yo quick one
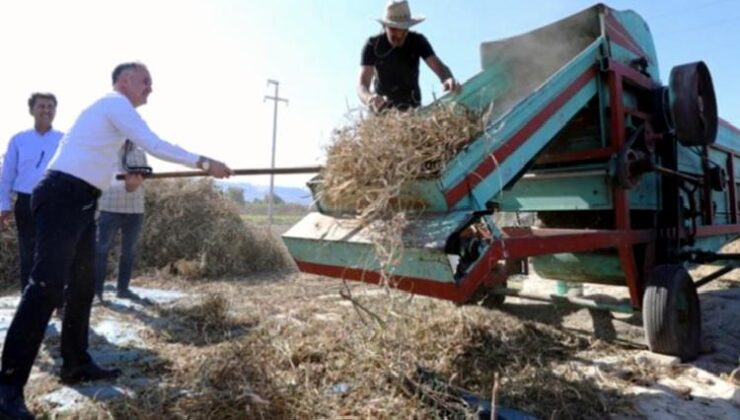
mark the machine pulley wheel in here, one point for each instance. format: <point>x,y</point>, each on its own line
<point>693,104</point>
<point>671,313</point>
<point>626,176</point>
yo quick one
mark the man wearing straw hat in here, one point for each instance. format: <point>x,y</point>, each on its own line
<point>391,61</point>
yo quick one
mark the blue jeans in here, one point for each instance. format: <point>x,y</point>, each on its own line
<point>108,225</point>
<point>64,216</point>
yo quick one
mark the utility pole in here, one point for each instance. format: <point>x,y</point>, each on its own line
<point>275,99</point>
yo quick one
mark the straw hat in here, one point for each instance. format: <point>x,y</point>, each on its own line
<point>398,15</point>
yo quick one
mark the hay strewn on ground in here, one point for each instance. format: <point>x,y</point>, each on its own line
<point>192,227</point>
<point>307,353</point>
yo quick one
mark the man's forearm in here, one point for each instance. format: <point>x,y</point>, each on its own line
<point>444,72</point>
<point>364,93</point>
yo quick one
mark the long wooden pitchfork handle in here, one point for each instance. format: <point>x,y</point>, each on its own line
<point>260,171</point>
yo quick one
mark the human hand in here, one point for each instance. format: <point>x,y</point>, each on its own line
<point>377,103</point>
<point>4,218</point>
<point>132,181</point>
<point>451,85</point>
<point>218,169</point>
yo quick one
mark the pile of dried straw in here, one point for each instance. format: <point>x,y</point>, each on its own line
<point>192,227</point>
<point>9,268</point>
<point>370,160</point>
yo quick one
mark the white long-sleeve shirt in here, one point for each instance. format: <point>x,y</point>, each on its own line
<point>25,162</point>
<point>89,150</point>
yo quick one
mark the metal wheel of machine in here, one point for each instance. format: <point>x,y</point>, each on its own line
<point>626,177</point>
<point>671,313</point>
<point>693,105</point>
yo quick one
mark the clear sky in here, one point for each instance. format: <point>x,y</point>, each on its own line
<point>211,59</point>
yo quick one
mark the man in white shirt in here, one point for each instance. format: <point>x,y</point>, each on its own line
<point>64,205</point>
<point>24,164</point>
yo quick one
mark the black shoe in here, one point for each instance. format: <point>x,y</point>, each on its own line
<point>87,372</point>
<point>12,404</point>
<point>128,294</point>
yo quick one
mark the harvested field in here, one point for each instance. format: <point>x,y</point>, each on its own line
<point>301,346</point>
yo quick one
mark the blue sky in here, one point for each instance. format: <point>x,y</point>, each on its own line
<point>211,59</point>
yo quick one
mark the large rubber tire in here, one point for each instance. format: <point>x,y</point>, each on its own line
<point>671,313</point>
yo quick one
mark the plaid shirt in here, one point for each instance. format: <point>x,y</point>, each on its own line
<point>116,199</point>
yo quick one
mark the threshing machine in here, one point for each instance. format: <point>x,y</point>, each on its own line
<point>631,180</point>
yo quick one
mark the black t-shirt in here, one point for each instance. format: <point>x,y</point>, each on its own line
<point>397,69</point>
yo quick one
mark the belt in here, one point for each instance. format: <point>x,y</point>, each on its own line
<point>74,180</point>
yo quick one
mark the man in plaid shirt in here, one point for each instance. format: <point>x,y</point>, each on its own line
<point>121,208</point>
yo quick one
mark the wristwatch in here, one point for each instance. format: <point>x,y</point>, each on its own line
<point>204,163</point>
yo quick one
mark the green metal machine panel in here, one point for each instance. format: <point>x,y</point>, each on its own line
<point>577,193</point>
<point>338,242</point>
<point>573,192</point>
<point>646,194</point>
<point>601,268</point>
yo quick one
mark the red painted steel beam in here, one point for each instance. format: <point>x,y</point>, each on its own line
<point>488,165</point>
<point>527,242</point>
<point>577,156</point>
<point>714,230</point>
<point>707,208</point>
<point>732,188</point>
<point>617,33</point>
<point>630,75</point>
<point>447,291</point>
<point>620,198</point>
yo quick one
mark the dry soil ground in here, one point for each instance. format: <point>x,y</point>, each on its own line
<point>143,339</point>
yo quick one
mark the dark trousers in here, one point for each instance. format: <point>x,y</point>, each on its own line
<point>109,224</point>
<point>64,214</point>
<point>26,235</point>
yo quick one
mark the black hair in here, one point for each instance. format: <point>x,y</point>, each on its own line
<point>121,68</point>
<point>36,96</point>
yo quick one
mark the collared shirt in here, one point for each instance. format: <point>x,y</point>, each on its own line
<point>89,150</point>
<point>116,199</point>
<point>25,162</point>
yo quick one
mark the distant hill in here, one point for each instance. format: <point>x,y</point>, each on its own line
<point>296,195</point>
